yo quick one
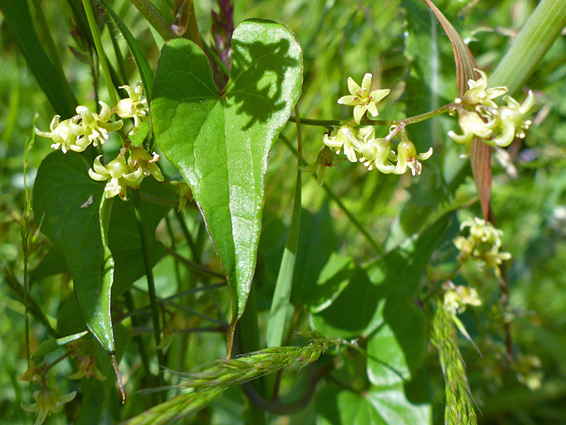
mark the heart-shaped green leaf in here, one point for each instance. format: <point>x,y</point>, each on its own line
<point>221,141</point>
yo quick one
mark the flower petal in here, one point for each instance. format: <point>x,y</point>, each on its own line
<point>366,83</point>
<point>353,88</point>
<point>349,100</point>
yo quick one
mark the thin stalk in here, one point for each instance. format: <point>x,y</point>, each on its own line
<point>112,29</point>
<point>336,199</point>
<point>404,122</point>
<point>155,19</point>
<point>27,240</point>
<point>186,233</point>
<point>139,342</point>
<point>212,55</point>
<point>32,305</point>
<point>280,303</point>
<point>100,52</point>
<point>174,248</point>
<point>150,281</point>
<point>194,34</point>
<point>194,266</point>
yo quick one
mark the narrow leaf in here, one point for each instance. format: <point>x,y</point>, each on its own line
<point>50,345</point>
<point>480,155</point>
<point>51,79</point>
<point>221,142</point>
<point>146,73</point>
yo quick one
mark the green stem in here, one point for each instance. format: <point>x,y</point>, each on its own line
<point>174,248</point>
<point>100,52</point>
<point>112,29</point>
<point>405,122</point>
<point>280,304</point>
<point>141,347</point>
<point>343,207</point>
<point>188,238</point>
<point>155,19</point>
<point>194,266</point>
<point>150,281</point>
<point>33,307</point>
<point>212,55</point>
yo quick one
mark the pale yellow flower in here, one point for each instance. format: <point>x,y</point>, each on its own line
<point>47,402</point>
<point>118,174</point>
<point>133,106</point>
<point>96,126</point>
<point>64,134</point>
<point>139,157</point>
<point>362,99</point>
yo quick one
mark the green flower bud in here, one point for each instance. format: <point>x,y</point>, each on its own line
<point>408,158</point>
<point>324,159</point>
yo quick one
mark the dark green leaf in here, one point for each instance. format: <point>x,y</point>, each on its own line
<point>49,75</point>
<point>378,406</point>
<point>62,189</point>
<point>221,142</point>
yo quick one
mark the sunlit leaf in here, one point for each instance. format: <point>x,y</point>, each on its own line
<point>221,141</point>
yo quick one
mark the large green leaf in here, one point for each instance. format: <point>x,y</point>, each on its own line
<point>221,141</point>
<point>62,189</point>
<point>62,195</point>
<point>383,292</point>
<point>378,406</point>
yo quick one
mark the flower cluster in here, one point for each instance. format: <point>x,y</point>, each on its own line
<point>85,128</point>
<point>479,116</point>
<point>483,243</point>
<point>122,173</point>
<point>362,145</point>
<point>457,297</point>
<point>78,132</point>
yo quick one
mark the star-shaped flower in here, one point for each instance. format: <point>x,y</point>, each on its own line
<point>118,173</point>
<point>96,126</point>
<point>362,99</point>
<point>133,106</point>
<point>344,137</point>
<point>472,126</point>
<point>409,158</point>
<point>139,157</point>
<point>47,402</point>
<point>64,134</point>
<point>479,94</point>
<point>511,120</point>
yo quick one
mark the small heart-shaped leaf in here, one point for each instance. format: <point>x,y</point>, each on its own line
<point>220,142</point>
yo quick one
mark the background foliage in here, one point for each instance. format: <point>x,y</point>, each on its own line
<point>346,284</point>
